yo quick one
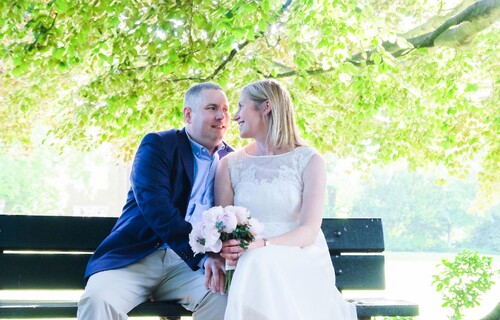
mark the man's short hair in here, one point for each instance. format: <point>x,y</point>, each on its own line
<point>192,96</point>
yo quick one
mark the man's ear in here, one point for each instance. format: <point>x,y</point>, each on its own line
<point>267,107</point>
<point>187,114</point>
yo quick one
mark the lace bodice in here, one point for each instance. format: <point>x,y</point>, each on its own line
<point>270,186</point>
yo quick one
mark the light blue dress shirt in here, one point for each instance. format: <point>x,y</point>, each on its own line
<point>202,193</point>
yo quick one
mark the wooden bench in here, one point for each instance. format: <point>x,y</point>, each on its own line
<point>51,252</point>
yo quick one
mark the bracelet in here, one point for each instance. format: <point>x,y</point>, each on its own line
<point>266,242</point>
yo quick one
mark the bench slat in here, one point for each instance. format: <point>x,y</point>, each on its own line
<point>67,309</point>
<point>371,307</point>
<point>353,234</point>
<point>18,232</point>
<point>359,272</point>
<point>37,309</point>
<point>43,271</point>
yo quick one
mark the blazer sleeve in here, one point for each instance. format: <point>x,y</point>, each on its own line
<point>150,181</point>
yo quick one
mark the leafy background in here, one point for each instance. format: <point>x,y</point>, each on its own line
<point>372,81</point>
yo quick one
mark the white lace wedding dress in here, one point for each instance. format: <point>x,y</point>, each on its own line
<point>280,282</point>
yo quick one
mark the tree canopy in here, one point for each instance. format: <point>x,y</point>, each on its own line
<point>372,80</point>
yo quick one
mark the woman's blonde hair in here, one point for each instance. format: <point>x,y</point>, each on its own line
<point>282,133</point>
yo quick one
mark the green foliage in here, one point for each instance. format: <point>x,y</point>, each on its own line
<point>26,183</point>
<point>419,214</point>
<point>485,235</point>
<point>242,233</point>
<point>463,280</point>
<point>41,181</point>
<point>109,71</point>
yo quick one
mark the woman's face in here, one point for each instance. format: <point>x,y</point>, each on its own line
<point>250,119</point>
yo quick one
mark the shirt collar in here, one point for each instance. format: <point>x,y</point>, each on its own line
<point>198,149</point>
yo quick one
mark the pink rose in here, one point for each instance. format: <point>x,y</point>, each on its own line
<point>242,214</point>
<point>228,220</point>
<point>211,235</point>
<point>255,227</point>
<point>215,247</point>
<point>196,241</point>
<point>210,215</point>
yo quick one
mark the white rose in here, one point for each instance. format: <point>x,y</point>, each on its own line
<point>210,233</point>
<point>210,215</point>
<point>228,220</point>
<point>255,227</point>
<point>242,214</point>
<point>195,240</point>
<point>216,246</point>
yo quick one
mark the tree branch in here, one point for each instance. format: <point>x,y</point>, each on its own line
<point>481,14</point>
<point>228,59</point>
<point>480,10</point>
<point>233,53</point>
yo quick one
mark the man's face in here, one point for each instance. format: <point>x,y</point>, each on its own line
<point>208,121</point>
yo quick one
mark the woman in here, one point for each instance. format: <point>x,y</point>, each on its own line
<point>286,274</point>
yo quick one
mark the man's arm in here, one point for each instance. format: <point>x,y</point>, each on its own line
<point>151,183</point>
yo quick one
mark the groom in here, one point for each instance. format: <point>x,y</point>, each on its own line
<point>147,254</point>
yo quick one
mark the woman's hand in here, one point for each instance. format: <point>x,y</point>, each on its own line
<point>232,251</point>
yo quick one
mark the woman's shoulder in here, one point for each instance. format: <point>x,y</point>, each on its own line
<point>304,154</point>
<point>236,154</point>
<point>306,151</point>
<point>244,151</point>
<point>234,159</point>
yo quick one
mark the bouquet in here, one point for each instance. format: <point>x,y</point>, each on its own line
<point>221,224</point>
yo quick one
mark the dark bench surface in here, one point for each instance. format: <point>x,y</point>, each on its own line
<point>51,252</point>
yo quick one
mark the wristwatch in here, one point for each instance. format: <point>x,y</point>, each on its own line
<point>266,242</point>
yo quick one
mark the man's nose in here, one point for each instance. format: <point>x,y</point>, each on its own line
<point>220,114</point>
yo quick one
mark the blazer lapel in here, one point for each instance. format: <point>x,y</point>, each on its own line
<point>225,151</point>
<point>186,154</point>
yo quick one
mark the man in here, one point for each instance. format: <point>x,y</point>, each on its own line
<point>147,253</point>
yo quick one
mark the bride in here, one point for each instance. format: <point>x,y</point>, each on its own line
<point>286,274</point>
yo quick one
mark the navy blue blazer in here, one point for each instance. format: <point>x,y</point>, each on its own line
<point>161,182</point>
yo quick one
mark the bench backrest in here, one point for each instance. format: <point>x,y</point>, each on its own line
<point>51,252</point>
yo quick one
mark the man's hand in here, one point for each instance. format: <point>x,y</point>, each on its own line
<point>215,273</point>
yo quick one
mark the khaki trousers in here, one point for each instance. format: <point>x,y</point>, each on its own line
<point>162,275</point>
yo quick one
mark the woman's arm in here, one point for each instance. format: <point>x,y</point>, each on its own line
<point>224,196</point>
<point>223,190</point>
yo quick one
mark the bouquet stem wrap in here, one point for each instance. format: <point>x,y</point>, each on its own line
<point>229,277</point>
